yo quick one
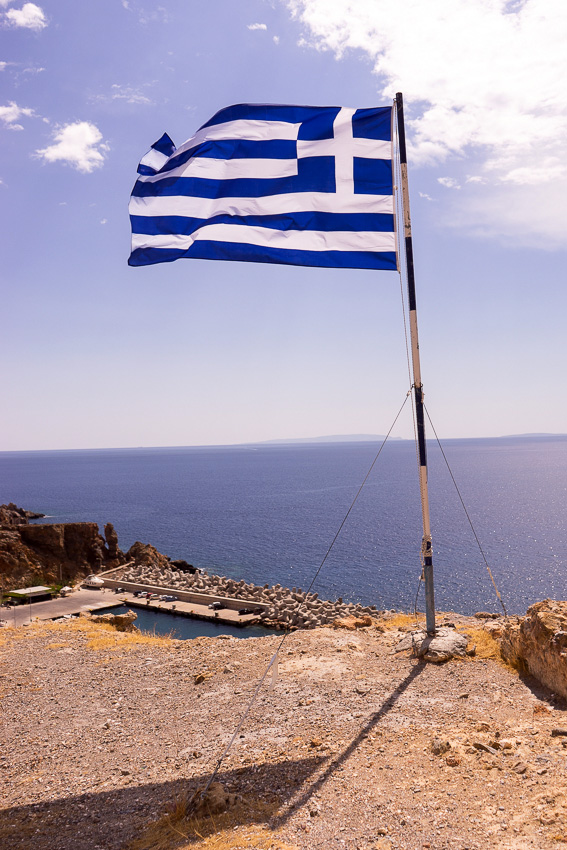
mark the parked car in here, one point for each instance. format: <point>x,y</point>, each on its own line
<point>216,606</point>
<point>244,611</point>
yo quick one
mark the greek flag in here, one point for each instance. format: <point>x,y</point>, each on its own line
<point>302,185</point>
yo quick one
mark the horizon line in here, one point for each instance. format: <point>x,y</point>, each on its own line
<point>281,441</point>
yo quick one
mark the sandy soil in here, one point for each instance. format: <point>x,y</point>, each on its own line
<point>354,747</point>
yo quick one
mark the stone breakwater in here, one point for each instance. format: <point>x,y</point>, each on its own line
<point>287,609</point>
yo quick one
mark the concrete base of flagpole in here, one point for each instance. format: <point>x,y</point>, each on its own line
<point>444,645</point>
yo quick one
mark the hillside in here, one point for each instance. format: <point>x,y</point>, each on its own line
<point>354,747</point>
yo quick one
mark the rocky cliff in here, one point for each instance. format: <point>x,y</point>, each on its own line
<point>48,554</point>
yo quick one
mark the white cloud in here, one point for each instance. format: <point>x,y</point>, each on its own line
<point>257,27</point>
<point>29,16</point>
<point>78,144</point>
<point>10,115</point>
<point>104,221</point>
<point>425,196</point>
<point>127,93</point>
<point>276,39</point>
<point>449,182</point>
<point>483,80</point>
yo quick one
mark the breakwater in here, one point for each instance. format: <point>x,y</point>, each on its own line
<point>277,606</point>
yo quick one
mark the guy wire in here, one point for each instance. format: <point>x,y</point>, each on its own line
<point>467,515</point>
<point>286,635</point>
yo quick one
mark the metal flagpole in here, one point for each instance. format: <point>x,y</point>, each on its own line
<point>426,548</point>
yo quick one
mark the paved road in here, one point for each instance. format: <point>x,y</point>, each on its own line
<point>76,602</point>
<point>85,598</point>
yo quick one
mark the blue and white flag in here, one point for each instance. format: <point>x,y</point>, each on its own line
<point>307,186</point>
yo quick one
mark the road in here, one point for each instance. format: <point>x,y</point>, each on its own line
<point>88,599</point>
<point>76,602</point>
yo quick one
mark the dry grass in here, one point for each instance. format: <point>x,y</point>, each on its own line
<point>486,646</point>
<point>111,639</point>
<point>100,636</point>
<point>239,828</point>
<point>402,622</point>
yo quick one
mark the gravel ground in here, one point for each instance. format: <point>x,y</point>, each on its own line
<point>354,747</point>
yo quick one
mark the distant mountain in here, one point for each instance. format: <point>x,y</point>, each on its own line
<point>529,436</point>
<point>333,438</point>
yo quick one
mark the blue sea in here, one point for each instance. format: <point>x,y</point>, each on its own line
<point>268,513</point>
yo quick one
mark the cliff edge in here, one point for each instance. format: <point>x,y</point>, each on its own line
<point>52,553</point>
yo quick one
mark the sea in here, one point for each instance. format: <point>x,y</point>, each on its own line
<point>271,513</point>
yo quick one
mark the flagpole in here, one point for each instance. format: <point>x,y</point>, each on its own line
<point>426,547</point>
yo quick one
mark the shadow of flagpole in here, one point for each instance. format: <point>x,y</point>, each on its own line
<point>343,757</point>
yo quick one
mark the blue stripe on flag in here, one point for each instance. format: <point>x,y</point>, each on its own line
<point>322,116</point>
<point>315,174</point>
<point>385,260</point>
<point>353,222</point>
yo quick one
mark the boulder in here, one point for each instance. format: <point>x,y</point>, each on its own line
<point>352,623</point>
<point>111,538</point>
<point>147,555</point>
<point>120,622</point>
<point>438,648</point>
<point>537,643</point>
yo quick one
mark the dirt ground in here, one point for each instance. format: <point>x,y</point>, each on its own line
<point>105,735</point>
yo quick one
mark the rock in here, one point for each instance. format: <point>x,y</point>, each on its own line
<point>439,746</point>
<point>537,643</point>
<point>51,553</point>
<point>184,566</point>
<point>120,622</point>
<point>111,538</point>
<point>146,555</point>
<point>352,623</point>
<point>441,647</point>
<point>556,733</point>
<point>201,677</point>
<point>215,801</point>
<point>11,514</point>
<point>479,745</point>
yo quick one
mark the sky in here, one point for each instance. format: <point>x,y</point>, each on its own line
<point>97,354</point>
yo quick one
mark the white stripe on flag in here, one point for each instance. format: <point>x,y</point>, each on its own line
<point>300,240</point>
<point>193,207</point>
<point>228,169</point>
<point>254,131</point>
